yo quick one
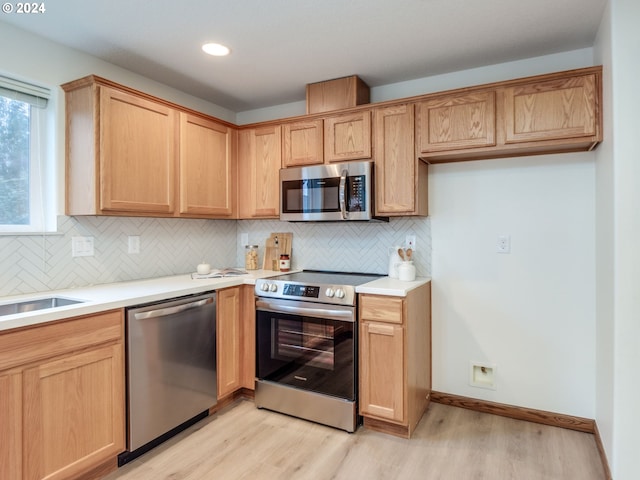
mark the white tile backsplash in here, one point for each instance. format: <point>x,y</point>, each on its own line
<point>37,263</point>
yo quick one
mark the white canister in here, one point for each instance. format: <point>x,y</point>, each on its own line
<point>406,271</point>
<point>203,268</point>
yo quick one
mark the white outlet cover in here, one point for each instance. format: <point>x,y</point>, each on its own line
<point>482,375</point>
<point>82,247</point>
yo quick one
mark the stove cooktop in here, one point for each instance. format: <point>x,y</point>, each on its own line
<point>336,288</point>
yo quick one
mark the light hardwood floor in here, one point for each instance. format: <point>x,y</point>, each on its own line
<point>243,442</point>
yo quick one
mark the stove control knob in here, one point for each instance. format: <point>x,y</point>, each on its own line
<point>339,293</point>
<point>273,287</point>
<point>329,292</point>
<point>264,287</point>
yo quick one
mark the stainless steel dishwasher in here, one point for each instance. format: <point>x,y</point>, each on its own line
<point>171,369</point>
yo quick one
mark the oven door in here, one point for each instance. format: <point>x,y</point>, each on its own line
<point>307,345</point>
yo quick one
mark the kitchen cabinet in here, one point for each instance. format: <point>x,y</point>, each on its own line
<point>260,158</point>
<point>554,109</point>
<point>302,143</point>
<point>395,360</point>
<point>207,167</point>
<point>457,122</point>
<point>228,340</point>
<point>131,154</point>
<point>552,113</point>
<point>248,330</point>
<point>401,178</point>
<point>62,398</point>
<point>347,136</point>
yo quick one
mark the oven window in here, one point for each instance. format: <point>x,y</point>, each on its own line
<point>305,352</point>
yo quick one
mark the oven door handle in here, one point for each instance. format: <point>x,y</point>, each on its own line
<point>329,314</point>
<point>343,193</point>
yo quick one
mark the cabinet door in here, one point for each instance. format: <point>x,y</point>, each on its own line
<point>457,122</point>
<point>260,158</point>
<point>382,373</point>
<point>228,340</point>
<point>302,143</point>
<point>73,413</point>
<point>207,167</point>
<point>137,154</point>
<point>11,425</point>
<point>398,180</point>
<point>248,312</point>
<point>347,137</point>
<point>549,110</point>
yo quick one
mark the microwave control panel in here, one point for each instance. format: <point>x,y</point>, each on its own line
<point>357,194</point>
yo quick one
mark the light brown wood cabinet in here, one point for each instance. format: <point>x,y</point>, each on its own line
<point>395,360</point>
<point>228,340</point>
<point>457,122</point>
<point>347,136</point>
<point>553,113</point>
<point>302,143</point>
<point>401,178</point>
<point>248,330</point>
<point>62,404</point>
<point>260,158</point>
<point>128,153</point>
<point>208,167</point>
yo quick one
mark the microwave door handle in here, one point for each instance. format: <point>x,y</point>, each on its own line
<point>342,193</point>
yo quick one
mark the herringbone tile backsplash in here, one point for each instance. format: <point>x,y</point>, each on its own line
<point>37,263</point>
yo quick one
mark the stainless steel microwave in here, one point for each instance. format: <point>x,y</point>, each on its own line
<point>328,193</point>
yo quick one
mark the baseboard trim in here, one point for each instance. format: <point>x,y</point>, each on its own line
<point>603,454</point>
<point>519,413</point>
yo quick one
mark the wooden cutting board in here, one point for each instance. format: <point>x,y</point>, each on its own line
<point>277,244</point>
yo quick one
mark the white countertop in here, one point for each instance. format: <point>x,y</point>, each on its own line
<point>99,298</point>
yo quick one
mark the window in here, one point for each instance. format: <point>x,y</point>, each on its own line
<point>23,118</point>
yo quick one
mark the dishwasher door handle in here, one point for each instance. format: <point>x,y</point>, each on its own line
<point>163,312</point>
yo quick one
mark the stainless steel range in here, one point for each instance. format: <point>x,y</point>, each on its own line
<point>306,346</point>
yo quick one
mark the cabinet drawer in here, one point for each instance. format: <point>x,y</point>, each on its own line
<point>381,308</point>
<point>41,342</point>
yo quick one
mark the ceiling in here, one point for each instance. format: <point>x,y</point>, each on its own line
<point>278,46</point>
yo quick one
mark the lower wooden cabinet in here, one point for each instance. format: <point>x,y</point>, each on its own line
<point>395,360</point>
<point>228,340</point>
<point>62,403</point>
<point>248,329</point>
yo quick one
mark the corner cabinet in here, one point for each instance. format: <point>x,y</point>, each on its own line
<point>401,178</point>
<point>395,360</point>
<point>259,161</point>
<point>62,403</point>
<point>128,153</point>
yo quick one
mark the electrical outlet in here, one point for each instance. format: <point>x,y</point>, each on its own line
<point>134,244</point>
<point>82,246</point>
<point>410,242</point>
<point>482,375</point>
<point>503,245</point>
<point>244,239</point>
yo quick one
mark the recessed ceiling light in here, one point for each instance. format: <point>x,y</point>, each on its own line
<point>215,49</point>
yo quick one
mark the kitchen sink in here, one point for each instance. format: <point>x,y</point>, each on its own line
<point>38,304</point>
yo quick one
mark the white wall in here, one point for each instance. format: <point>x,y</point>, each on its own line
<point>530,312</point>
<point>625,45</point>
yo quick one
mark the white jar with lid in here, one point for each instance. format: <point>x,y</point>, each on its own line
<point>407,271</point>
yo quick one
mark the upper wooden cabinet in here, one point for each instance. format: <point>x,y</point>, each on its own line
<point>457,122</point>
<point>207,167</point>
<point>259,160</point>
<point>302,143</point>
<point>128,153</point>
<point>401,178</point>
<point>563,108</point>
<point>553,113</point>
<point>347,136</point>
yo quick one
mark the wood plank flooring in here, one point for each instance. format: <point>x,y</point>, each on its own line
<point>243,442</point>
